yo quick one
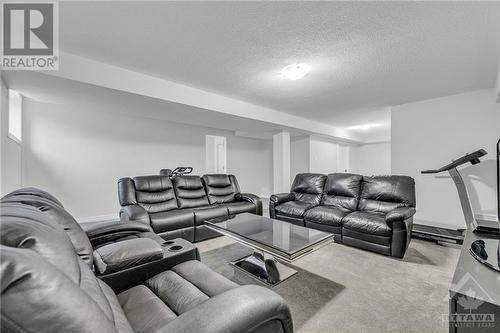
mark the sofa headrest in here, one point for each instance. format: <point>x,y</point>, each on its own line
<point>396,189</point>
<point>221,188</point>
<point>34,192</point>
<point>57,214</point>
<point>218,180</point>
<point>343,184</point>
<point>309,183</point>
<point>154,193</point>
<point>27,227</point>
<point>187,182</point>
<point>190,191</point>
<point>153,183</point>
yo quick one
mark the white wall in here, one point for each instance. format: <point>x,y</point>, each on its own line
<point>371,159</point>
<point>429,134</point>
<point>10,155</point>
<point>251,161</point>
<point>78,153</point>
<point>323,155</point>
<point>498,85</point>
<point>317,154</point>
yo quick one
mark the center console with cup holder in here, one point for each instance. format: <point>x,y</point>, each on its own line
<point>140,259</point>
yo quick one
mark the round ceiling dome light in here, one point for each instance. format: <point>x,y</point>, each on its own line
<point>295,71</point>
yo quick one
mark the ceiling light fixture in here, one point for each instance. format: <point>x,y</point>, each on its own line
<point>295,71</point>
<point>364,127</point>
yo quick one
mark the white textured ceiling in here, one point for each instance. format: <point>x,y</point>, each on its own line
<point>364,55</point>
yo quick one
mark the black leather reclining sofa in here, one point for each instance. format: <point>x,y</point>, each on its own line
<point>179,206</point>
<point>373,213</point>
<point>123,280</point>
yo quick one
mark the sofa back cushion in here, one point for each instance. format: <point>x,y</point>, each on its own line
<point>25,226</point>
<point>342,190</point>
<point>385,193</point>
<point>308,187</point>
<point>37,297</point>
<point>153,193</point>
<point>190,191</point>
<point>55,212</point>
<point>36,192</point>
<point>46,287</point>
<point>221,188</point>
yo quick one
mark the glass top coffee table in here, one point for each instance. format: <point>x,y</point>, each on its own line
<point>271,239</point>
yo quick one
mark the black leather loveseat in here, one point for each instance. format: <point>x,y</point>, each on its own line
<point>374,213</point>
<point>179,206</point>
<point>51,282</point>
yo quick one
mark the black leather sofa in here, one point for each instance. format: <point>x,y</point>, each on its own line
<point>179,206</point>
<point>51,280</point>
<point>373,213</point>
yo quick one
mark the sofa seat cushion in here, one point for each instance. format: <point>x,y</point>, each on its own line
<point>208,212</point>
<point>326,215</point>
<point>172,220</point>
<point>145,311</point>
<point>293,208</point>
<point>367,222</point>
<point>239,207</point>
<point>169,294</point>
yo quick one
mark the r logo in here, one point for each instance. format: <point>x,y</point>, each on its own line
<point>28,29</point>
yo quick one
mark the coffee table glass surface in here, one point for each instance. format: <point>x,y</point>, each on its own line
<point>284,240</point>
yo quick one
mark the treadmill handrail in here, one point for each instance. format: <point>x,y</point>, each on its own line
<point>472,157</point>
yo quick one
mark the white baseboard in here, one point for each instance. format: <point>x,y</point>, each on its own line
<point>99,218</point>
<point>486,217</point>
<point>438,224</point>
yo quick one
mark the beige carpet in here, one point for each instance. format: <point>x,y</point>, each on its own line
<point>345,289</point>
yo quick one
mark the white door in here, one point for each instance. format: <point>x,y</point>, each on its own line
<point>215,154</point>
<point>221,157</point>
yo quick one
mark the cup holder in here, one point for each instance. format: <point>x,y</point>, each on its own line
<point>169,242</point>
<point>175,248</point>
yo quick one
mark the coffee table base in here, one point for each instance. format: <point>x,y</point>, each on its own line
<point>265,267</point>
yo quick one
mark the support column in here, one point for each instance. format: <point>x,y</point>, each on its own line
<point>281,162</point>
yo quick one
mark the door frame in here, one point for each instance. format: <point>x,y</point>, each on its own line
<point>213,162</point>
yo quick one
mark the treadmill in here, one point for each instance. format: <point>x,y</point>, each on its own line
<point>487,250</point>
<point>456,236</point>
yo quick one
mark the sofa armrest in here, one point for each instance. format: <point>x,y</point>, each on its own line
<point>280,198</point>
<point>134,213</point>
<point>251,198</point>
<point>98,229</point>
<point>104,232</point>
<point>401,222</point>
<point>399,214</point>
<point>242,309</point>
<point>277,199</point>
<point>126,254</point>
